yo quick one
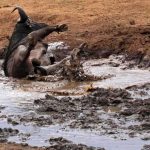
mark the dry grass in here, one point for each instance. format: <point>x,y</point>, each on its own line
<point>80,15</point>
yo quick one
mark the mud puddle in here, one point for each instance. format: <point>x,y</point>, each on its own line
<point>17,98</point>
<point>122,76</point>
<point>40,137</point>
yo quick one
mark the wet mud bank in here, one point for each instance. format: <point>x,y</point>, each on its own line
<point>64,114</point>
<point>133,41</point>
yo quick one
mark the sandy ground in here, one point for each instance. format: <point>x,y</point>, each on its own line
<point>87,20</point>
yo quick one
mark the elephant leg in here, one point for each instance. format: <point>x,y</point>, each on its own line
<point>41,70</point>
<point>31,40</point>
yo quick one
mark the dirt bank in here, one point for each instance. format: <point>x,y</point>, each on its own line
<point>108,26</point>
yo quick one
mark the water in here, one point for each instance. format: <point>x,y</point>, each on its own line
<point>121,78</point>
<point>40,135</point>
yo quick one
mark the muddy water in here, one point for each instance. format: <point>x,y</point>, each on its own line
<point>18,96</point>
<point>120,78</point>
<point>40,135</point>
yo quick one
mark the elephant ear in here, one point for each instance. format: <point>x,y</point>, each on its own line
<point>22,13</point>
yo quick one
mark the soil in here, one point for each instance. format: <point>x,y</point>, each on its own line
<point>6,132</point>
<point>86,111</point>
<point>102,24</point>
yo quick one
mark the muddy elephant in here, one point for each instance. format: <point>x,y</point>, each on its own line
<point>26,48</point>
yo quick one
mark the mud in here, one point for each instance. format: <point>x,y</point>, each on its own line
<point>61,143</point>
<point>146,147</point>
<point>133,41</point>
<point>5,133</point>
<point>87,112</point>
<point>61,114</point>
